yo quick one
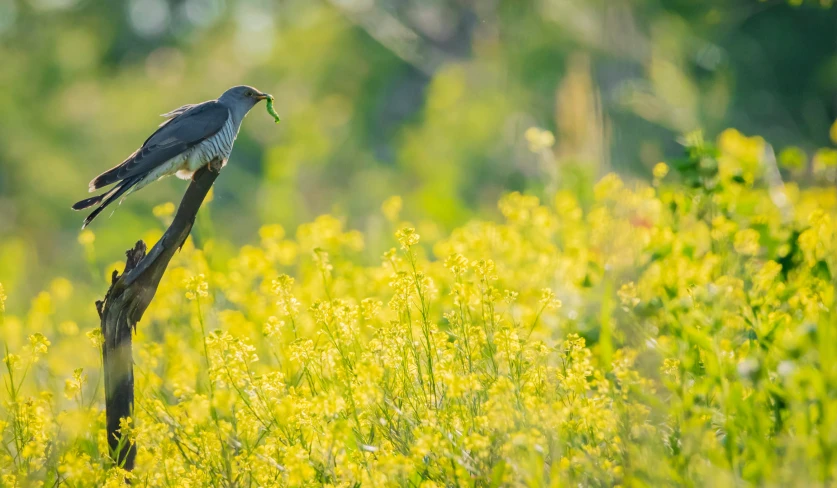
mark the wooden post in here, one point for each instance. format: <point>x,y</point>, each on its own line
<point>126,300</point>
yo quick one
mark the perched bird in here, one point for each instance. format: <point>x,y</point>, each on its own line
<point>192,137</point>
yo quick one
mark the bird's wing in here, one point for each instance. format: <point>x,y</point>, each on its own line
<point>184,131</point>
<point>174,113</point>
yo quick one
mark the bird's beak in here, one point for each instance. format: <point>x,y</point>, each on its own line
<point>262,96</point>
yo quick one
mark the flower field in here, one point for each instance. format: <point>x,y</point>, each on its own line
<point>680,331</point>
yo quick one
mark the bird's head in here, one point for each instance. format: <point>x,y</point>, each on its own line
<point>242,97</point>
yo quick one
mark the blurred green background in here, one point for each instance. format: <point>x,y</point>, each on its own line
<point>428,99</point>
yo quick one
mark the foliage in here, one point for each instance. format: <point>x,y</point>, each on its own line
<point>655,334</point>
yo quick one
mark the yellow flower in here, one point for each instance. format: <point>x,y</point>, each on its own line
<point>298,468</point>
<point>628,295</point>
<point>273,326</point>
<point>485,269</point>
<point>282,287</point>
<point>86,237</point>
<point>39,344</point>
<point>95,337</point>
<point>392,207</point>
<point>272,233</point>
<point>163,210</point>
<point>660,171</point>
<point>370,308</point>
<point>746,242</point>
<point>322,261</point>
<point>68,328</point>
<point>539,139</point>
<point>510,296</point>
<point>407,237</point>
<point>767,274</point>
<point>671,368</point>
<point>825,159</point>
<point>457,263</point>
<point>74,385</point>
<point>517,207</point>
<point>196,286</point>
<point>608,187</point>
<point>11,360</point>
<point>444,366</point>
<point>61,288</point>
<point>793,158</point>
<point>548,300</point>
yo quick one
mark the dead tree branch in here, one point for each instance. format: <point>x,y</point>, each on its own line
<point>123,306</point>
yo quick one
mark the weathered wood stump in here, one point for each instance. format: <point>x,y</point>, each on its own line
<point>124,304</point>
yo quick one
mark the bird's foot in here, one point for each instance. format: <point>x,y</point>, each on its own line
<point>215,165</point>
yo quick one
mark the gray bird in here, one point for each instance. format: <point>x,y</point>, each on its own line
<point>192,137</point>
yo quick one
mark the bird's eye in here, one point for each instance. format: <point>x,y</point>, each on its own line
<point>248,93</point>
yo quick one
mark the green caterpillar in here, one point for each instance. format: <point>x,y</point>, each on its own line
<point>270,108</point>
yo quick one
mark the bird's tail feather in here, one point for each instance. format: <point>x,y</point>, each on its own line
<point>106,199</point>
<point>89,202</point>
<point>110,176</point>
<point>105,179</point>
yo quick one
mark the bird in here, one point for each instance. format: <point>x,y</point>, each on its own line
<point>192,136</point>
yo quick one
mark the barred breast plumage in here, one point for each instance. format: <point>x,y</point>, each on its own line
<point>218,146</point>
<point>184,166</point>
